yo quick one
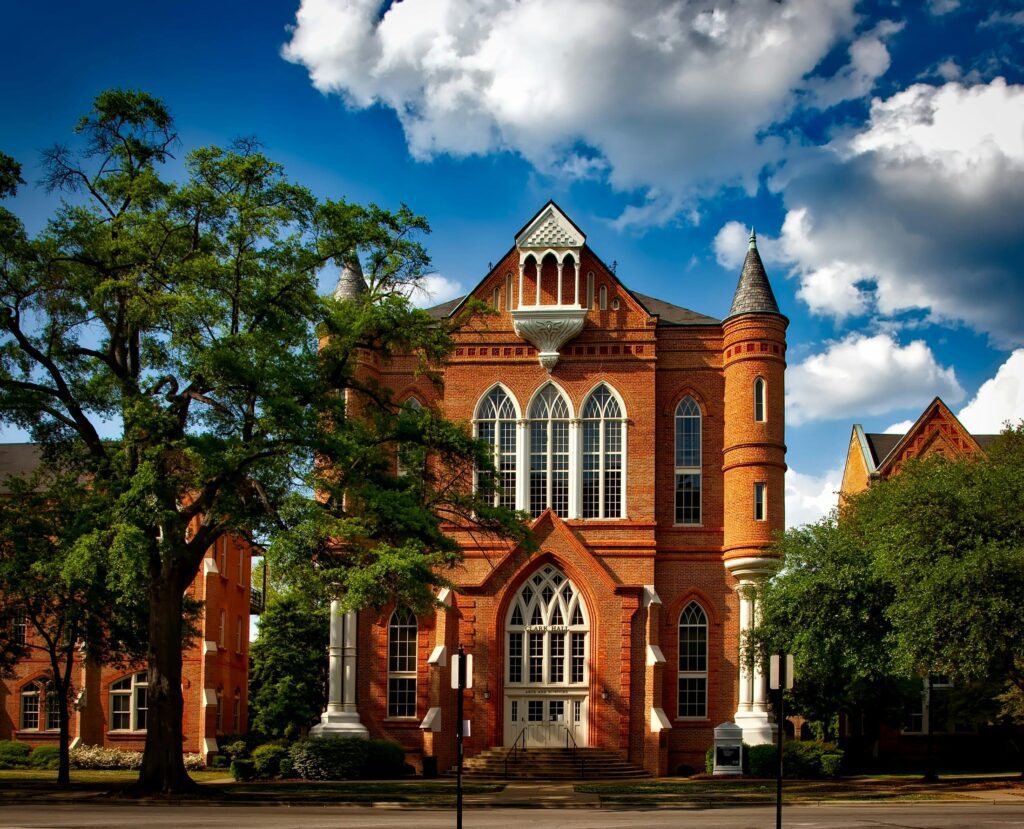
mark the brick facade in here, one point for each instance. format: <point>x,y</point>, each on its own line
<point>214,668</point>
<point>636,572</point>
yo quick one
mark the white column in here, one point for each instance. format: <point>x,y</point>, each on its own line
<point>537,265</point>
<point>575,470</point>
<point>576,296</point>
<point>342,715</point>
<point>522,465</point>
<point>560,265</point>
<point>751,710</point>
<point>522,269</point>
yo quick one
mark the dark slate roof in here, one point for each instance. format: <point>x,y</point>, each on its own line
<point>669,314</point>
<point>351,284</point>
<point>17,459</point>
<point>754,293</point>
<point>881,444</point>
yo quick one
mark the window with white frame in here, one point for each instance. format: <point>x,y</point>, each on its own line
<point>688,462</point>
<point>402,631</point>
<point>549,452</point>
<point>603,293</point>
<point>603,443</point>
<point>238,635</point>
<point>496,424</point>
<point>129,703</point>
<point>546,632</point>
<point>222,630</point>
<point>31,704</point>
<point>52,707</point>
<point>496,298</point>
<point>759,400</point>
<point>19,628</point>
<point>760,500</point>
<point>693,662</point>
<point>222,562</point>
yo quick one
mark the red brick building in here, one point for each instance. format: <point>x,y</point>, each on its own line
<point>109,704</point>
<point>648,443</point>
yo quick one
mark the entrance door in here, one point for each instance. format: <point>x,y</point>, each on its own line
<point>547,654</point>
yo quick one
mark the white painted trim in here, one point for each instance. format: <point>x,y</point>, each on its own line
<point>651,595</point>
<point>209,698</point>
<point>209,566</point>
<point>438,657</point>
<point>444,596</point>
<point>659,722</point>
<point>655,656</point>
<point>432,722</point>
<point>559,388</point>
<point>209,646</point>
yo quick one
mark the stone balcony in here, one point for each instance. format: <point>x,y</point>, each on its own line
<point>548,327</point>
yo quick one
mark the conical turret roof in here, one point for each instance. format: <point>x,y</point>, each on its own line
<point>754,293</point>
<point>351,284</point>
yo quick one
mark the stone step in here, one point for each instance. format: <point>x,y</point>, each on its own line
<point>550,764</point>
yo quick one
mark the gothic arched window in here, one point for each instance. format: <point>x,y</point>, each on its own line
<point>603,442</point>
<point>549,452</point>
<point>688,462</point>
<point>402,631</point>
<point>693,662</point>
<point>496,424</point>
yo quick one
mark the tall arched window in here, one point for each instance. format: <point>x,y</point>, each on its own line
<point>129,705</point>
<point>402,632</point>
<point>508,292</point>
<point>549,452</point>
<point>31,696</point>
<point>496,424</point>
<point>688,462</point>
<point>411,458</point>
<point>603,441</point>
<point>759,400</point>
<point>693,662</point>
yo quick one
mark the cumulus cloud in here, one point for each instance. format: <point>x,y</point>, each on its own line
<point>433,289</point>
<point>671,100</point>
<point>900,428</point>
<point>810,497</point>
<point>999,401</point>
<point>941,7</point>
<point>920,209</point>
<point>863,375</point>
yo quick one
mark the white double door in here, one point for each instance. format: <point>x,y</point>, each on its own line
<point>546,720</point>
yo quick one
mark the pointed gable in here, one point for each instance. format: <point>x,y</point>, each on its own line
<point>550,229</point>
<point>936,432</point>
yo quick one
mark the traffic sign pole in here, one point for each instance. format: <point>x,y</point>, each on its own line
<point>461,682</point>
<point>781,736</point>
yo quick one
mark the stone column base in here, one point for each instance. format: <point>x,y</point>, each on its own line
<point>339,724</point>
<point>757,729</point>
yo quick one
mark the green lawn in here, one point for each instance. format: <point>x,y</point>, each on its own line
<point>118,778</point>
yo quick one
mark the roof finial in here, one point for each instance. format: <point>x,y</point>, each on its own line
<point>753,239</point>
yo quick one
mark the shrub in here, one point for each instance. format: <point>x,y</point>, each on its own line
<point>220,761</point>
<point>267,759</point>
<point>14,755</point>
<point>195,762</point>
<point>286,769</point>
<point>384,760</point>
<point>709,761</point>
<point>243,769</point>
<point>45,757</point>
<point>97,757</point>
<point>234,750</point>
<point>831,764</point>
<point>763,760</point>
<point>329,758</point>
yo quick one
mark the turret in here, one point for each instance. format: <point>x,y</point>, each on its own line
<point>754,461</point>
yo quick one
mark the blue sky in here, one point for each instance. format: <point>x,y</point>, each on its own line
<point>878,148</point>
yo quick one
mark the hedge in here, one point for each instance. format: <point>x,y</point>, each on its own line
<point>346,758</point>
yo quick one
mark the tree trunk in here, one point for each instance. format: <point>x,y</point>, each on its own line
<point>163,766</point>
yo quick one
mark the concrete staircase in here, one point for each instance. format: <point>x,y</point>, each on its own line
<point>550,764</point>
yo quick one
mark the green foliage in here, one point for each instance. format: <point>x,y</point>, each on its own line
<point>243,769</point>
<point>220,762</point>
<point>385,760</point>
<point>329,758</point>
<point>14,755</point>
<point>286,768</point>
<point>235,749</point>
<point>763,760</point>
<point>831,764</point>
<point>288,680</point>
<point>188,313</point>
<point>709,761</point>
<point>267,759</point>
<point>45,757</point>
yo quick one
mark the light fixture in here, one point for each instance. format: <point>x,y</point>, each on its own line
<point>604,694</point>
<point>487,692</point>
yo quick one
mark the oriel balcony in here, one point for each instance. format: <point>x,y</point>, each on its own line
<point>556,315</point>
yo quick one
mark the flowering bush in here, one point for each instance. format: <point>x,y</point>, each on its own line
<point>100,758</point>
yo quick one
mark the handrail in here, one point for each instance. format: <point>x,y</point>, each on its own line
<point>575,756</point>
<point>513,751</point>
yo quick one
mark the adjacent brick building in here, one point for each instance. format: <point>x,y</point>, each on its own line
<point>648,443</point>
<point>109,704</point>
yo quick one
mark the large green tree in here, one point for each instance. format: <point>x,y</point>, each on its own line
<point>59,574</point>
<point>187,315</point>
<point>922,574</point>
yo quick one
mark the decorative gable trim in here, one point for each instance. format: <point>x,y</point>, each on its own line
<point>550,229</point>
<point>919,437</point>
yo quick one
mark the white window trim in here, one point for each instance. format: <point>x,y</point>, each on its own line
<point>405,674</point>
<point>31,690</point>
<point>762,488</point>
<point>528,434</point>
<point>133,708</point>
<point>519,426</point>
<point>763,400</point>
<point>577,458</point>
<point>680,674</point>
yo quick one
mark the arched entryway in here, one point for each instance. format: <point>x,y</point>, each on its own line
<point>547,653</point>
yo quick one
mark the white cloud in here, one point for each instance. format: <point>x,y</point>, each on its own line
<point>999,401</point>
<point>810,497</point>
<point>433,289</point>
<point>941,7</point>
<point>861,375</point>
<point>921,209</point>
<point>672,100</point>
<point>900,428</point>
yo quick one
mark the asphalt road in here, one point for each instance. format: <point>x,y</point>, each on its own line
<point>917,816</point>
